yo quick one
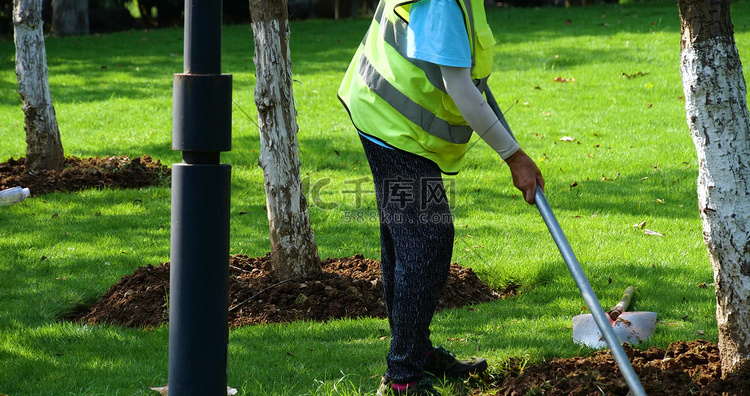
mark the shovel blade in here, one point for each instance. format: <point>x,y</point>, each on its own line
<point>630,327</point>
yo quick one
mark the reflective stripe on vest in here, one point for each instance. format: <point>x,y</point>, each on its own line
<point>394,34</point>
<point>415,113</point>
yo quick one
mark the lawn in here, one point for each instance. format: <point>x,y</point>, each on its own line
<point>593,94</point>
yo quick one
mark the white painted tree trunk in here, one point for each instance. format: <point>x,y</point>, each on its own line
<point>293,250</point>
<point>717,115</point>
<point>43,147</point>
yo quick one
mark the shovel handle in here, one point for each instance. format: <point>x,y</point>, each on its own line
<point>623,305</point>
<point>579,276</point>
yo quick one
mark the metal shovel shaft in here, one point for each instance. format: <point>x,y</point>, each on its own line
<point>578,275</point>
<point>600,317</point>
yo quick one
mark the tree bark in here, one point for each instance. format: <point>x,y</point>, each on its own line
<point>293,250</point>
<point>43,147</point>
<point>717,115</point>
<point>70,17</point>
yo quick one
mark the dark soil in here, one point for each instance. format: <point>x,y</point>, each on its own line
<point>346,288</point>
<point>685,368</point>
<point>349,287</point>
<point>86,173</point>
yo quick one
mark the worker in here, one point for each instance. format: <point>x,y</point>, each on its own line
<point>414,92</point>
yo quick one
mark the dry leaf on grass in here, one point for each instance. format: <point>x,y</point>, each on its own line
<point>164,390</point>
<point>654,233</point>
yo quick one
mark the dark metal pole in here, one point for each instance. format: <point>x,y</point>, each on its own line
<point>199,277</point>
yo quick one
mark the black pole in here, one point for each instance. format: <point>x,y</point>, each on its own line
<point>199,276</point>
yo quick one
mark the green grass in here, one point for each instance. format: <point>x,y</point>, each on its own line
<point>632,161</point>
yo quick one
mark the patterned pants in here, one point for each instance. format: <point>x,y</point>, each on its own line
<point>416,238</point>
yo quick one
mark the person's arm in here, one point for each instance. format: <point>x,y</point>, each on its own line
<point>477,112</point>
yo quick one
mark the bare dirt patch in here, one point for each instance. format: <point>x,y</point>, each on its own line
<point>685,368</point>
<point>86,173</point>
<point>346,288</point>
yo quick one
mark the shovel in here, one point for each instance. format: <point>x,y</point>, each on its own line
<point>631,378</point>
<point>630,327</point>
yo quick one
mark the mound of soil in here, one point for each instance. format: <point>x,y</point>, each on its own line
<point>86,173</point>
<point>685,368</point>
<point>346,288</point>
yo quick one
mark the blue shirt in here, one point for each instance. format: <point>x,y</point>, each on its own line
<point>437,33</point>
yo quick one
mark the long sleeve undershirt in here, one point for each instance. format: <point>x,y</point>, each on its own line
<point>437,34</point>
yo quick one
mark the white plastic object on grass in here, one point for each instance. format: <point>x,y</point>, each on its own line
<point>13,195</point>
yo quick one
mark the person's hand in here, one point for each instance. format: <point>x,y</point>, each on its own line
<point>525,174</point>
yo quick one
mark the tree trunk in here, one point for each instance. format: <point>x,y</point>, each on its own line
<point>293,250</point>
<point>70,17</point>
<point>43,147</point>
<point>717,115</point>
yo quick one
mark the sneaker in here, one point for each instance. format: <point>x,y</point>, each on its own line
<point>423,387</point>
<point>442,363</point>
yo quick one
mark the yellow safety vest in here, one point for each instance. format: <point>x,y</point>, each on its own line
<point>402,101</point>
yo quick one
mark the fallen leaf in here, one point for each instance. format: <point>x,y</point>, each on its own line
<point>640,225</point>
<point>700,332</point>
<point>654,233</point>
<point>661,201</point>
<point>567,139</point>
<point>164,390</point>
<point>575,184</point>
<point>639,74</point>
<point>560,79</point>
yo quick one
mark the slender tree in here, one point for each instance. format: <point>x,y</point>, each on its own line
<point>43,147</point>
<point>717,115</point>
<point>293,250</point>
